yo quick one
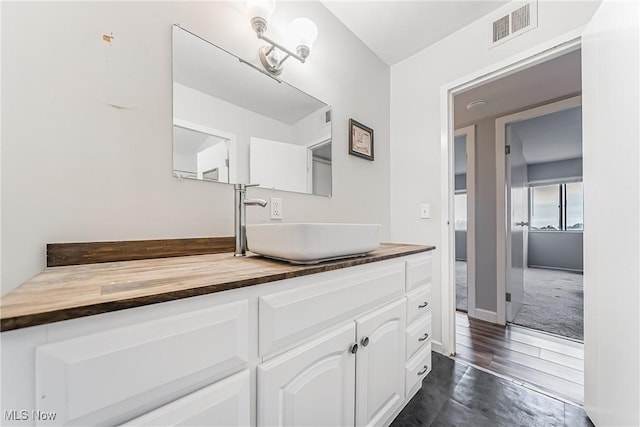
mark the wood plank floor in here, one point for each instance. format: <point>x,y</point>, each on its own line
<point>544,362</point>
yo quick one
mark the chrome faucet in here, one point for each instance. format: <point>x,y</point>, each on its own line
<point>240,222</point>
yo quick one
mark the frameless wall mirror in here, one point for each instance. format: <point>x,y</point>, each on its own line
<point>233,123</point>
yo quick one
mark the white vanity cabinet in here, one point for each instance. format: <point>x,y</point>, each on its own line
<point>380,364</point>
<point>225,403</point>
<point>353,373</point>
<point>311,385</point>
<point>100,377</point>
<point>343,347</point>
<point>419,331</point>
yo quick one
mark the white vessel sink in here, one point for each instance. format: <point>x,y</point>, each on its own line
<point>310,243</point>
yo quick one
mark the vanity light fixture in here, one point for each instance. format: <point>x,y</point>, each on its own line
<point>302,31</point>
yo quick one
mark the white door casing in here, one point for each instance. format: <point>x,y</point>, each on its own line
<point>611,154</point>
<point>470,133</point>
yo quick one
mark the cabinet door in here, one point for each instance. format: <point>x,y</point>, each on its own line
<point>381,358</point>
<point>311,385</point>
<point>225,403</point>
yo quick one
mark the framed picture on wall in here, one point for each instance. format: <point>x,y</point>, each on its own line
<point>360,140</point>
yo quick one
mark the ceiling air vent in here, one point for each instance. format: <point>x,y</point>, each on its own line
<point>521,18</point>
<point>512,20</point>
<point>501,28</point>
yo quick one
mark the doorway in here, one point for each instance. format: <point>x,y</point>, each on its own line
<point>543,221</point>
<point>464,222</point>
<point>510,350</point>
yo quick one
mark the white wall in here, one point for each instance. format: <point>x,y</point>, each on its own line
<point>312,128</point>
<point>203,109</point>
<point>275,164</point>
<point>415,117</point>
<point>611,152</point>
<point>94,119</point>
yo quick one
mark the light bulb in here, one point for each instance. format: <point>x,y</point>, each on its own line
<point>303,32</point>
<point>261,8</point>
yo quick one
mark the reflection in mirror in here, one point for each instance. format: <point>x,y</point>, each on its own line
<point>200,155</point>
<point>235,124</point>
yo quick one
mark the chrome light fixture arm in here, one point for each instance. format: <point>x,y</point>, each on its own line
<point>270,54</point>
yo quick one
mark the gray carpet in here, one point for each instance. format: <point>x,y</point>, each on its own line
<point>553,300</point>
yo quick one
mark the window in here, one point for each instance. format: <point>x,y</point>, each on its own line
<point>556,207</point>
<point>460,211</point>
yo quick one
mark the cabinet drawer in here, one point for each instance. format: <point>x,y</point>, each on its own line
<point>419,272</point>
<point>291,316</point>
<point>417,368</point>
<point>226,403</point>
<point>101,377</point>
<point>418,303</point>
<point>418,335</point>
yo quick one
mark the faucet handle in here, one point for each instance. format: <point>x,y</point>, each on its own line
<point>251,185</point>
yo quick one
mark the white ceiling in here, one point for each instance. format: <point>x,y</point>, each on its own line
<point>548,138</point>
<point>557,78</point>
<point>395,30</point>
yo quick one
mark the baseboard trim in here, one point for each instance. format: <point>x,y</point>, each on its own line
<point>486,315</point>
<point>546,267</point>
<point>436,346</point>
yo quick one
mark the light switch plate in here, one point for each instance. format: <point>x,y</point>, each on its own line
<point>425,211</point>
<point>276,208</point>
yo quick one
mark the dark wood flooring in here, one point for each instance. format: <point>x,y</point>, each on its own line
<point>544,362</point>
<point>456,394</point>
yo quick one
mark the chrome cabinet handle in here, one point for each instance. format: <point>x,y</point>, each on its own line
<point>364,341</point>
<point>424,337</point>
<point>423,305</point>
<point>423,371</point>
<point>354,349</point>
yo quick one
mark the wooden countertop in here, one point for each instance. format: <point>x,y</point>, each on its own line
<point>62,293</point>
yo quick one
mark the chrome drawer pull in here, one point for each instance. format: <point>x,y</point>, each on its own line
<point>354,349</point>
<point>423,305</point>
<point>423,371</point>
<point>424,337</point>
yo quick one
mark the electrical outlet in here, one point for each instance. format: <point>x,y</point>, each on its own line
<point>276,208</point>
<point>425,211</point>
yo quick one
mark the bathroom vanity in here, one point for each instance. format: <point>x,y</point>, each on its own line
<point>214,339</point>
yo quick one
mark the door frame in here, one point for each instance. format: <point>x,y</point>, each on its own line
<point>470,132</point>
<point>503,230</point>
<point>312,146</point>
<point>525,59</point>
